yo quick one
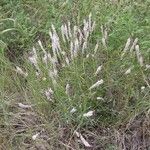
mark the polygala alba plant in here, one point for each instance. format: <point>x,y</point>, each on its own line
<point>75,74</point>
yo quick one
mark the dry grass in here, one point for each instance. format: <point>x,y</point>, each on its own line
<point>25,123</point>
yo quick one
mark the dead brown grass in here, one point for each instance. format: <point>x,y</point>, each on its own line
<point>18,133</point>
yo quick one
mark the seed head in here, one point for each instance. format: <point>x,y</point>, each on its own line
<point>88,114</point>
<point>97,84</point>
<point>21,72</point>
<point>98,70</point>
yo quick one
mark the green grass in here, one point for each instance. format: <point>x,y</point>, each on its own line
<point>22,24</point>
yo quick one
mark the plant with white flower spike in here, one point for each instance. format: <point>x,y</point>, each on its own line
<point>71,49</point>
<point>40,44</point>
<point>128,71</point>
<point>147,66</point>
<point>34,53</point>
<point>104,36</point>
<point>90,21</point>
<point>86,29</point>
<point>23,106</point>
<point>73,110</point>
<point>65,32</point>
<point>34,137</point>
<point>104,42</point>
<point>100,98</point>
<point>127,44</point>
<point>45,58</point>
<point>21,72</point>
<point>76,47</point>
<point>89,114</point>
<point>98,70</point>
<point>84,46</point>
<point>49,94</point>
<point>104,32</point>
<point>77,38</point>
<point>67,60</point>
<point>80,36</point>
<point>75,31</point>
<point>133,45</point>
<point>69,29</point>
<point>142,88</point>
<point>97,84</point>
<point>34,60</point>
<point>68,89</point>
<point>55,41</point>
<point>139,56</point>
<point>96,48</point>
<point>126,47</point>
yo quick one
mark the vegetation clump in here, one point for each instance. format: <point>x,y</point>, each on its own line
<point>80,84</point>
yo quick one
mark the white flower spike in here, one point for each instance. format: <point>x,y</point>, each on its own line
<point>147,66</point>
<point>97,84</point>
<point>139,56</point>
<point>128,71</point>
<point>133,45</point>
<point>67,89</point>
<point>49,94</point>
<point>34,137</point>
<point>24,106</point>
<point>127,44</point>
<point>73,110</point>
<point>98,70</point>
<point>21,72</point>
<point>88,114</point>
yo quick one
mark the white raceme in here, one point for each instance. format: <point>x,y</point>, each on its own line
<point>97,84</point>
